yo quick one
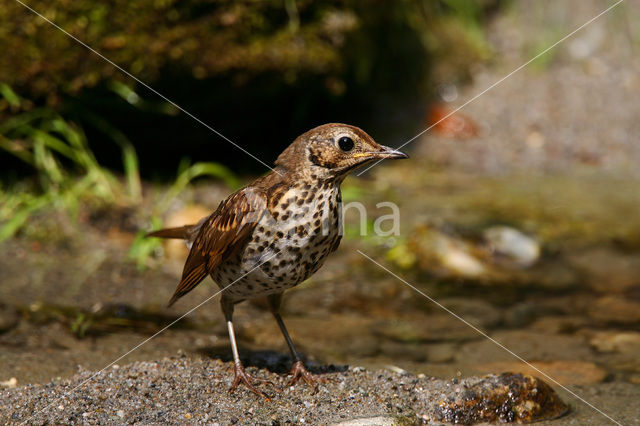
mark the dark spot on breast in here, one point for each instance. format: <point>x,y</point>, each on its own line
<point>279,234</point>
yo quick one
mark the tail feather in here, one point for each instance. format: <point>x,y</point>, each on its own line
<point>182,232</point>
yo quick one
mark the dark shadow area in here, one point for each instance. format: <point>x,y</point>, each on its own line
<point>273,361</point>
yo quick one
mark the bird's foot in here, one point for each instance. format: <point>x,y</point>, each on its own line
<point>241,376</point>
<point>299,371</point>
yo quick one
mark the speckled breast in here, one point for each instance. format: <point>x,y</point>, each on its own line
<point>290,242</point>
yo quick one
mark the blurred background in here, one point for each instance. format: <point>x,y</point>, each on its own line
<point>519,212</point>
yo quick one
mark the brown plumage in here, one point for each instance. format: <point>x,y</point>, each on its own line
<point>276,232</point>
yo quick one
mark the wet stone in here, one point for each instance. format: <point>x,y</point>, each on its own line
<point>425,328</point>
<point>616,309</point>
<point>564,372</point>
<point>616,341</point>
<point>9,318</point>
<point>502,398</point>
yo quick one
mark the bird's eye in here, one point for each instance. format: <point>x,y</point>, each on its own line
<point>345,143</point>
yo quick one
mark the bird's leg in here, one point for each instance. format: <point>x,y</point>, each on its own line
<point>240,375</point>
<point>298,370</point>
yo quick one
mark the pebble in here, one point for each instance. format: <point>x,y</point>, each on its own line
<point>512,244</point>
<point>616,309</point>
<point>622,342</point>
<point>564,372</point>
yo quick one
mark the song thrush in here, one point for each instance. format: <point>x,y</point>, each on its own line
<point>278,231</point>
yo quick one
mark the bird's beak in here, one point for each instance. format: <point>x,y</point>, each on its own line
<point>391,153</point>
<point>385,152</point>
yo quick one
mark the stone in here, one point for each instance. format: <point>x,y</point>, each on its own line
<point>370,421</point>
<point>513,398</point>
<point>607,270</point>
<point>511,246</point>
<point>564,372</point>
<point>530,345</point>
<point>9,318</point>
<point>425,328</point>
<point>177,249</point>
<point>617,341</point>
<point>477,311</point>
<point>449,256</point>
<point>616,309</point>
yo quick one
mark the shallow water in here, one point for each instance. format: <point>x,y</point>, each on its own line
<point>573,315</point>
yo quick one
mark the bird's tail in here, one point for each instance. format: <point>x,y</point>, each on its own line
<point>182,232</point>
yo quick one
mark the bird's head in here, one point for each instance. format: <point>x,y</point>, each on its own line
<point>333,151</point>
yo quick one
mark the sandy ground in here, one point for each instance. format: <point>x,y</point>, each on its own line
<point>182,390</point>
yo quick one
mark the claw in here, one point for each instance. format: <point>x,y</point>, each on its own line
<point>241,376</point>
<point>298,371</point>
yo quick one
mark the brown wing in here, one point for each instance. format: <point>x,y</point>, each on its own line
<point>228,229</point>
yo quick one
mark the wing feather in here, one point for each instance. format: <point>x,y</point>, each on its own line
<point>222,234</point>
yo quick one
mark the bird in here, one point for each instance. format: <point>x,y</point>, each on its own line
<point>276,232</point>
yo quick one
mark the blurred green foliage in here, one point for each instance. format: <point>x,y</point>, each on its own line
<point>67,174</point>
<point>212,37</point>
<point>248,68</point>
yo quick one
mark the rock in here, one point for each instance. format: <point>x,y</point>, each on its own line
<point>559,324</point>
<point>441,352</point>
<point>511,246</point>
<point>177,249</point>
<point>370,421</point>
<point>477,311</point>
<point>513,398</point>
<point>616,309</point>
<point>429,328</point>
<point>11,383</point>
<point>529,345</point>
<point>623,342</point>
<point>9,318</point>
<point>607,270</point>
<point>435,249</point>
<point>564,372</point>
<point>421,352</point>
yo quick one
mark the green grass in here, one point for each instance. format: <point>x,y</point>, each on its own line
<point>68,175</point>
